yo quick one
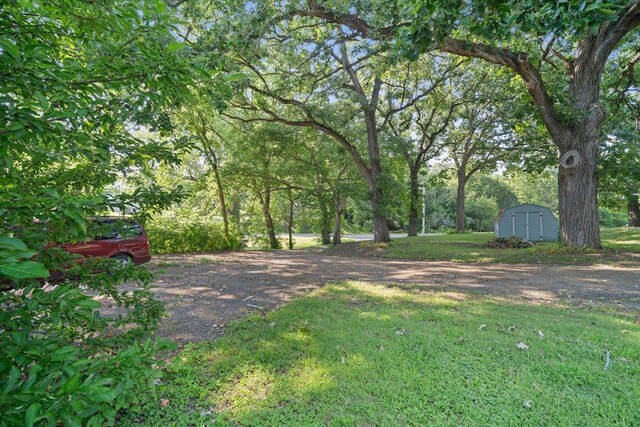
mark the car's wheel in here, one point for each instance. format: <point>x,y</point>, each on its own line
<point>124,259</point>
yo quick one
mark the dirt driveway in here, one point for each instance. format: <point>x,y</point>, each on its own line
<point>204,292</point>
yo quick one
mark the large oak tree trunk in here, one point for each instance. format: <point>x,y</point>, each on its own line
<point>414,200</point>
<point>460,195</point>
<point>578,150</point>
<point>577,189</point>
<point>633,209</point>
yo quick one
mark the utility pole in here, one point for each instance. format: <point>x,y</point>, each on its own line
<point>424,209</point>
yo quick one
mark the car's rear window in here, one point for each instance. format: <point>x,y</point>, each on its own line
<point>102,229</point>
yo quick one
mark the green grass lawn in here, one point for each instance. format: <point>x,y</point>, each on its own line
<point>621,246</point>
<point>355,354</point>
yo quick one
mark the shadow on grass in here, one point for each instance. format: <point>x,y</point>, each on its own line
<point>363,354</point>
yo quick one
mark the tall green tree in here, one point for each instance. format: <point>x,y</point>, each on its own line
<point>340,101</point>
<point>482,135</point>
<point>560,50</point>
<point>420,100</point>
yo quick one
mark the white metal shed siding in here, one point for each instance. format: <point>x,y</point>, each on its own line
<point>527,221</point>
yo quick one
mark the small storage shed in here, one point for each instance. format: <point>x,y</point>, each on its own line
<point>530,222</point>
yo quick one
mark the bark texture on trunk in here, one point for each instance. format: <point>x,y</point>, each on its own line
<point>380,224</point>
<point>235,206</point>
<point>633,209</point>
<point>337,223</point>
<point>268,220</point>
<point>460,195</point>
<point>221,196</point>
<point>577,192</point>
<point>290,220</point>
<point>414,201</point>
<point>325,226</point>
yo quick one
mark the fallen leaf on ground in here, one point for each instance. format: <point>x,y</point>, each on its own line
<point>540,334</point>
<point>164,402</point>
<point>482,326</point>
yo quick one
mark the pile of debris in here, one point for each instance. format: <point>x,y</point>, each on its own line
<point>509,243</point>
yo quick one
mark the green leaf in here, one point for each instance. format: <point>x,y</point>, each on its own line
<point>234,77</point>
<point>43,100</point>
<point>102,394</point>
<point>24,270</point>
<point>10,48</point>
<point>77,218</point>
<point>174,46</point>
<point>51,192</point>
<point>10,257</point>
<point>14,374</point>
<point>71,384</point>
<point>31,415</point>
<point>10,243</point>
<point>16,126</point>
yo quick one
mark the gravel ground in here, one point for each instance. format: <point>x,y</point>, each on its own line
<point>204,292</point>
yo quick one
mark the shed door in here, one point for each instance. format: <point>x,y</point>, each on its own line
<point>535,226</point>
<point>519,225</point>
<point>527,225</point>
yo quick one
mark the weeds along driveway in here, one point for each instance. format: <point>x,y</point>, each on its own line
<point>204,292</point>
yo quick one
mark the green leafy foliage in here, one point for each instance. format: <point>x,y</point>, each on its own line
<point>62,361</point>
<point>190,236</point>
<point>612,218</point>
<point>76,78</point>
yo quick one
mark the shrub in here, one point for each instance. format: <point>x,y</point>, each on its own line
<point>174,236</point>
<point>609,218</point>
<point>62,362</point>
<point>480,213</point>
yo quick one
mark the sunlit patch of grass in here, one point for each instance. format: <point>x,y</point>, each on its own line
<point>252,386</point>
<point>620,247</point>
<point>364,354</point>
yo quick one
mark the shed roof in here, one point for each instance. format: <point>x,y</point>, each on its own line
<point>503,211</point>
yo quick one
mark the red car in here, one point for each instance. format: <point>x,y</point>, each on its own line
<point>117,238</point>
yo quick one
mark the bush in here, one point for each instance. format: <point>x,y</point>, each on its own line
<point>611,219</point>
<point>480,213</point>
<point>174,236</point>
<point>62,362</point>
